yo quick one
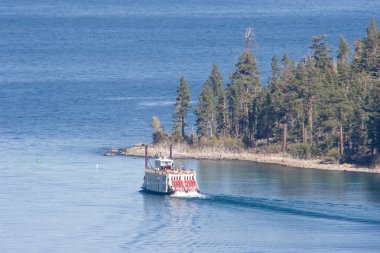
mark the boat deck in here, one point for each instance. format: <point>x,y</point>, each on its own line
<point>170,171</point>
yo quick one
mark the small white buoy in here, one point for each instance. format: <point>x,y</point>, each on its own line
<point>97,168</point>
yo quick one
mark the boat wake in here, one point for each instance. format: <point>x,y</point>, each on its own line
<point>188,195</point>
<point>342,212</point>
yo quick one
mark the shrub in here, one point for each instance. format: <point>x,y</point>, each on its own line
<point>332,156</point>
<point>300,150</point>
<point>333,153</point>
<point>270,149</point>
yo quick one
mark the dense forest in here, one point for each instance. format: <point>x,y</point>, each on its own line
<point>320,106</point>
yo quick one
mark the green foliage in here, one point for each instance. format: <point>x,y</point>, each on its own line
<point>321,53</point>
<point>182,106</point>
<point>326,107</point>
<point>227,142</point>
<point>205,112</point>
<point>373,109</point>
<point>300,150</point>
<point>211,112</point>
<point>333,154</point>
<point>344,50</point>
<point>242,93</point>
<point>221,115</point>
<point>215,81</point>
<point>270,149</point>
<point>367,57</point>
<point>158,135</point>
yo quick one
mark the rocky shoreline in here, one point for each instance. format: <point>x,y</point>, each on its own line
<point>181,151</point>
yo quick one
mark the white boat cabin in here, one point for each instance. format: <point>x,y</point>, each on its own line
<point>163,164</point>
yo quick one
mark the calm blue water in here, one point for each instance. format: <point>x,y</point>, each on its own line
<point>77,77</point>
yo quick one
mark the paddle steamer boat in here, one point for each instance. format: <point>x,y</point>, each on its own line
<point>165,178</point>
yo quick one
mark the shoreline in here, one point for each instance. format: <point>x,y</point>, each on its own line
<point>181,151</point>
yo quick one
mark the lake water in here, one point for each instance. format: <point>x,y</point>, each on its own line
<point>78,77</point>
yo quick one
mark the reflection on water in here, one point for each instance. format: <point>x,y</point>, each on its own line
<point>265,180</point>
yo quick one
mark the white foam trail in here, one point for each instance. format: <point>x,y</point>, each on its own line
<point>188,195</point>
<point>158,103</point>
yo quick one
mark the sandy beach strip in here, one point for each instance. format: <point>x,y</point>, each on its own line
<point>187,152</point>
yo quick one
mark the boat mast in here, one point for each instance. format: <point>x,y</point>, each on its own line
<point>146,156</point>
<point>247,38</point>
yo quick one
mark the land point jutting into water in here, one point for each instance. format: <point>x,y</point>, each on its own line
<point>320,112</point>
<point>185,151</point>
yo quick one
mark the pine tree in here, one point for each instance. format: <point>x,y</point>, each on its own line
<point>343,107</point>
<point>363,94</point>
<point>242,91</point>
<point>182,106</point>
<point>358,137</point>
<point>286,102</point>
<point>219,112</point>
<point>374,121</point>
<point>158,131</point>
<point>271,93</point>
<point>326,118</point>
<point>343,51</point>
<point>358,63</point>
<point>309,82</point>
<point>205,112</point>
<point>367,57</point>
<point>215,81</point>
<point>321,52</point>
<point>371,50</point>
<point>300,76</point>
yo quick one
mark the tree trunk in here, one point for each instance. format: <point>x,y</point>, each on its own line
<point>183,127</point>
<point>341,140</point>
<point>310,120</point>
<point>212,123</point>
<point>303,132</point>
<point>284,137</point>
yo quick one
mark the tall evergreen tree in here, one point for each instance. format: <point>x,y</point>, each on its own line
<point>357,120</point>
<point>309,82</point>
<point>343,107</point>
<point>215,81</point>
<point>367,57</point>
<point>363,93</point>
<point>242,92</point>
<point>371,50</point>
<point>321,52</point>
<point>374,121</point>
<point>286,102</point>
<point>205,112</point>
<point>182,106</point>
<point>326,118</point>
<point>219,112</point>
<point>271,93</point>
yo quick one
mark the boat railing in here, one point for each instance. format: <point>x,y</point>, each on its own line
<point>172,171</point>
